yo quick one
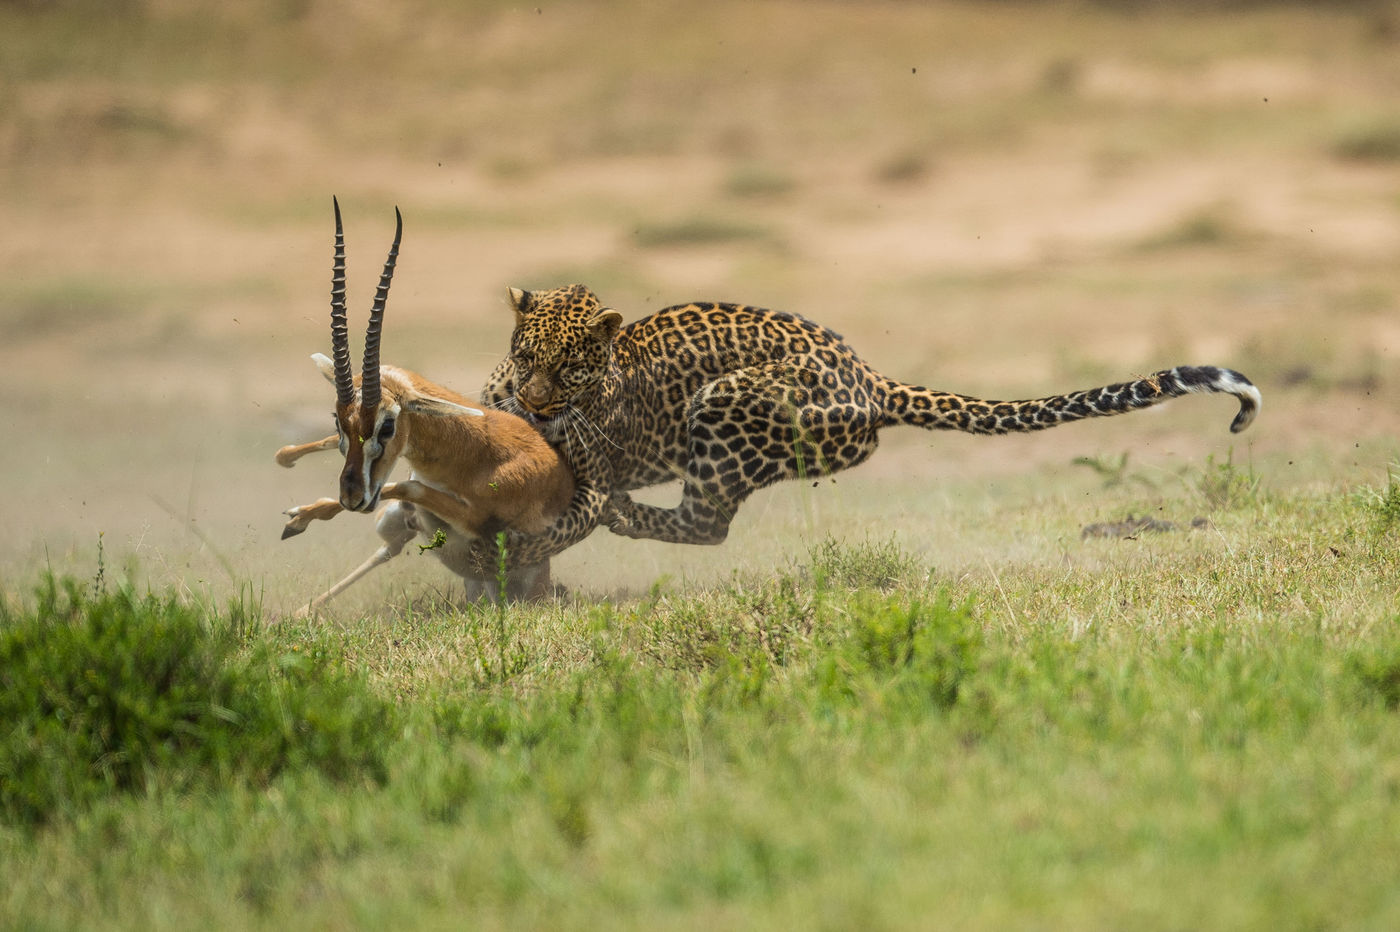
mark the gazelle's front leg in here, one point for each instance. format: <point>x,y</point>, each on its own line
<point>288,455</point>
<point>453,511</point>
<point>396,524</point>
<point>323,509</point>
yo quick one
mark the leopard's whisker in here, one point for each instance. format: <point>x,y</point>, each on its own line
<point>572,432</point>
<point>658,458</point>
<point>574,412</point>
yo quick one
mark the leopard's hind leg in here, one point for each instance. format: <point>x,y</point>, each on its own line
<point>750,429</point>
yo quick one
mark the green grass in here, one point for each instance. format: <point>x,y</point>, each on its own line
<point>1384,504</point>
<point>1189,737</point>
<point>114,693</point>
<point>1012,727</point>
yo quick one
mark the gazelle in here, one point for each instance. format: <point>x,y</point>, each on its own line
<point>475,472</point>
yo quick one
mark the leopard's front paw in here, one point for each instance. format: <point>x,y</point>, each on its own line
<point>617,514</point>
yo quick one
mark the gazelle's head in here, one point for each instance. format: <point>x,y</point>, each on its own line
<point>374,411</point>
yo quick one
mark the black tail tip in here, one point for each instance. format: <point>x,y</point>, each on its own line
<point>1250,399</point>
<point>1244,418</point>
<point>1224,381</point>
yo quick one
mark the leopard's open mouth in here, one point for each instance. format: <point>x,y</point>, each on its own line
<point>536,418</point>
<point>549,425</point>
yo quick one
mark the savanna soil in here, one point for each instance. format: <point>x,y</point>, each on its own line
<point>1006,200</point>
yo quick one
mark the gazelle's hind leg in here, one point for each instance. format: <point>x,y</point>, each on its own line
<point>530,583</point>
<point>523,583</point>
<point>397,525</point>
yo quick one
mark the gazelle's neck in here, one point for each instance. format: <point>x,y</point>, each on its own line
<point>442,449</point>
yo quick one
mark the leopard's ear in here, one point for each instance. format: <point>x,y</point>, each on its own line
<point>519,302</point>
<point>604,324</point>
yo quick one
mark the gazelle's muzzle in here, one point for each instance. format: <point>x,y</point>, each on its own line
<point>365,500</point>
<point>359,491</point>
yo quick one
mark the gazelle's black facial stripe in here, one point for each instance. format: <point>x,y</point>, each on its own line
<point>384,427</point>
<point>340,432</point>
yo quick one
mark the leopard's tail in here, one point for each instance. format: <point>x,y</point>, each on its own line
<point>922,407</point>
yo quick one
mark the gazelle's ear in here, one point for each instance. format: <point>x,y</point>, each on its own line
<point>604,324</point>
<point>323,362</point>
<point>439,407</point>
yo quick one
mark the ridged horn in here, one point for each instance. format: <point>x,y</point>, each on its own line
<point>340,334</point>
<point>369,375</point>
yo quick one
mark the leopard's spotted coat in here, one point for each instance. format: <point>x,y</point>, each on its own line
<point>732,398</point>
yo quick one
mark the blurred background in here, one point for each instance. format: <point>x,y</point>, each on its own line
<point>1006,199</point>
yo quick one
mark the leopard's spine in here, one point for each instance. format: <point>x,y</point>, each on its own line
<point>935,410</point>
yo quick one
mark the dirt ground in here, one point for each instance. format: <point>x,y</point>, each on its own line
<point>1001,199</point>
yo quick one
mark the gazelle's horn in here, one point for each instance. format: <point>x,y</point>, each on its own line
<point>340,334</point>
<point>369,375</point>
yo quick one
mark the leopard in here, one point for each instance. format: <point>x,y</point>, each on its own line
<point>732,398</point>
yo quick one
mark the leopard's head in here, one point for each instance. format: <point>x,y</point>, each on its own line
<point>561,347</point>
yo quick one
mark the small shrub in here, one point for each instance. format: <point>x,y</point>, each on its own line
<point>1378,672</point>
<point>484,719</point>
<point>1113,471</point>
<point>107,693</point>
<point>879,565</point>
<point>924,650</point>
<point>1384,504</point>
<point>1225,485</point>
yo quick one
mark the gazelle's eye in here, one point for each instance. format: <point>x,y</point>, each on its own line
<point>386,430</point>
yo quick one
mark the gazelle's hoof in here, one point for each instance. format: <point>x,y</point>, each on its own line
<point>297,524</point>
